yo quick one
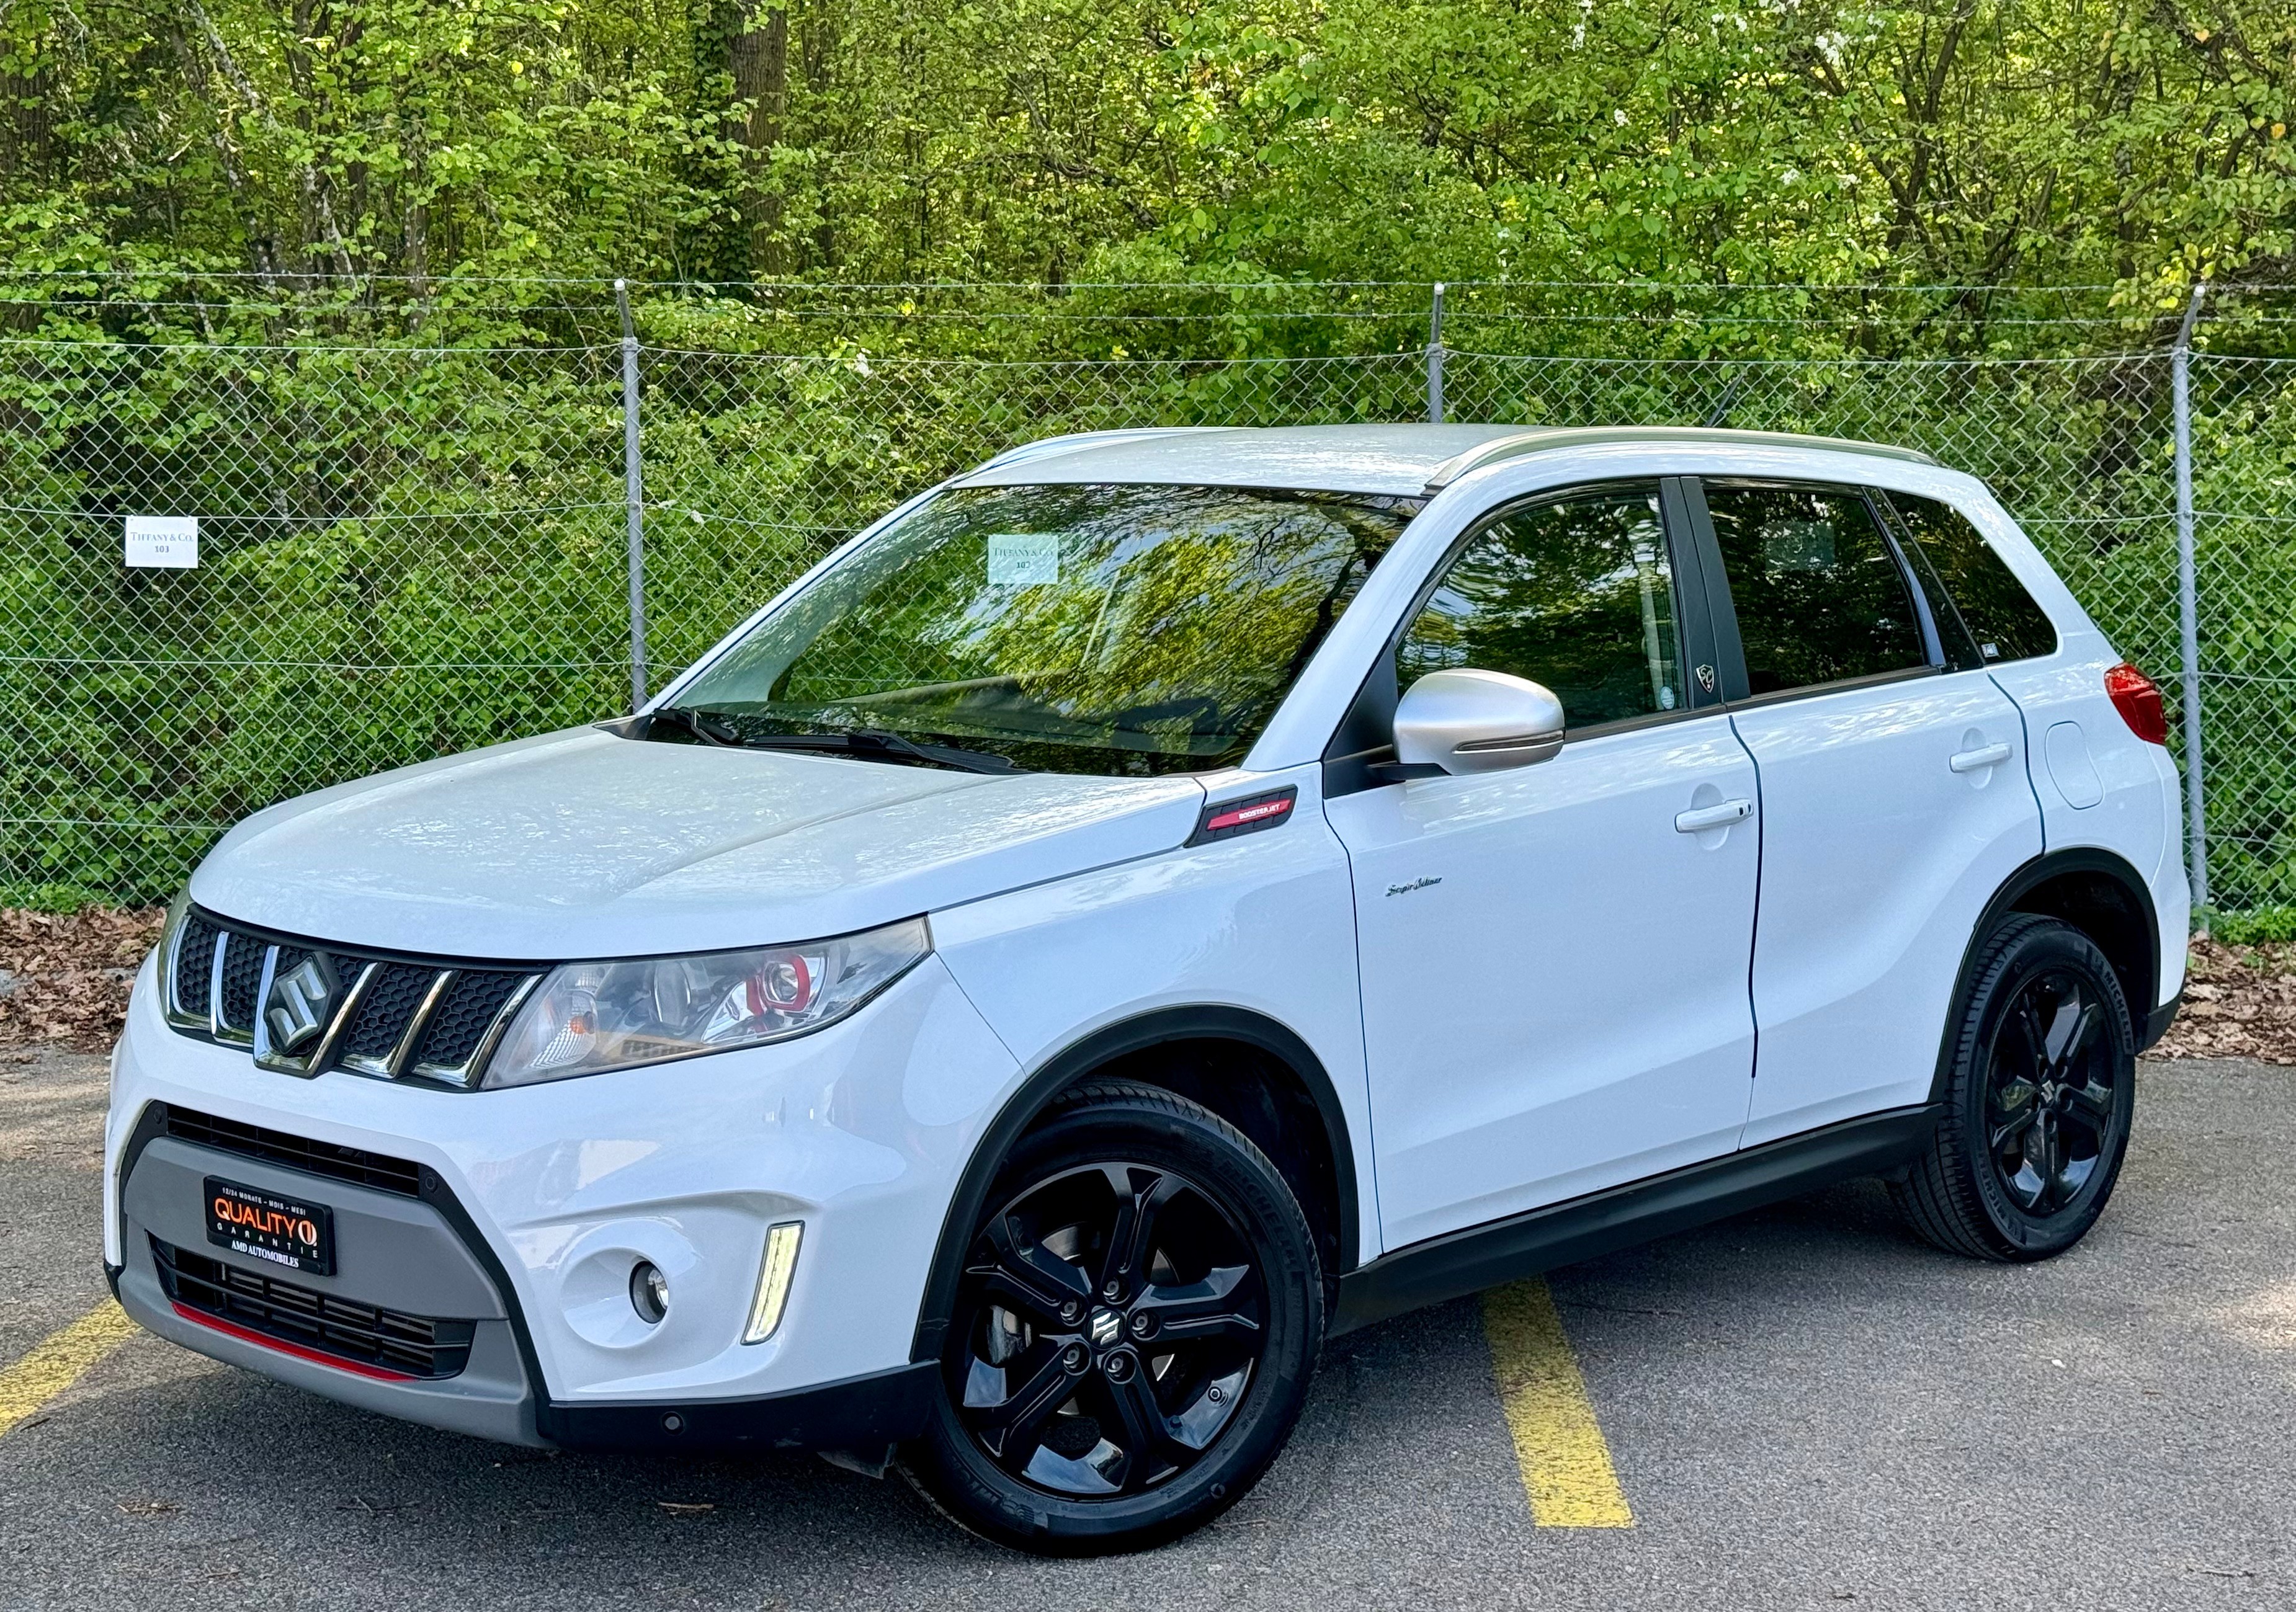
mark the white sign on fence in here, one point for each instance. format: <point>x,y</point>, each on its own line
<point>171,542</point>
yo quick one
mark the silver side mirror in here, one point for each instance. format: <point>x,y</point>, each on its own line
<point>1469,721</point>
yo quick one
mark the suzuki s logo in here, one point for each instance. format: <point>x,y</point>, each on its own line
<point>301,1002</point>
<point>1105,1326</point>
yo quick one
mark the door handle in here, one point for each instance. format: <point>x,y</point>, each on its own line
<point>1978,760</point>
<point>1700,819</point>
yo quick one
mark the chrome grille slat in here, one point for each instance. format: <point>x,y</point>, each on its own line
<point>339,1025</point>
<point>216,1025</point>
<point>261,1044</point>
<point>468,1074</point>
<point>402,1056</point>
<point>237,1003</point>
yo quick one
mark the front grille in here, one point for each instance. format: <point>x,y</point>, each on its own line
<point>471,1002</point>
<point>195,963</point>
<point>354,1165</point>
<point>397,1018</point>
<point>242,972</point>
<point>417,1346</point>
<point>395,992</point>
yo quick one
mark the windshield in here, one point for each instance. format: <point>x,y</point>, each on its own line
<point>1106,629</point>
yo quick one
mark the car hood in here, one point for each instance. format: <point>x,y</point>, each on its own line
<point>584,843</point>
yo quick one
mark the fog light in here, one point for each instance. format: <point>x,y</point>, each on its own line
<point>649,1292</point>
<point>774,1274</point>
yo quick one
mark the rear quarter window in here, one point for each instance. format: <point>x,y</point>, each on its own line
<point>2001,615</point>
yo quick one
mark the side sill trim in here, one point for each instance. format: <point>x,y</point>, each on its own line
<point>1464,1261</point>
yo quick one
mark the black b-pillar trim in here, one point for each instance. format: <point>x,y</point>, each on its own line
<point>1729,650</point>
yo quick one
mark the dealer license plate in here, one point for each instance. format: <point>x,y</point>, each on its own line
<point>263,1225</point>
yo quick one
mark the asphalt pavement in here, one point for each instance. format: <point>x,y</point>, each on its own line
<point>1804,1407</point>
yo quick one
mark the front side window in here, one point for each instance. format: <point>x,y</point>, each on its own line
<point>1577,594</point>
<point>2003,619</point>
<point>1819,595</point>
<point>1101,629</point>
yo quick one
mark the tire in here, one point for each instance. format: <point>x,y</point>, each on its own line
<point>1072,1423</point>
<point>2038,1098</point>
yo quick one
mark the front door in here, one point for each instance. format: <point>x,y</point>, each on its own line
<point>1553,960</point>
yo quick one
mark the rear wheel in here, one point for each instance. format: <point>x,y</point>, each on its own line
<point>2039,1100</point>
<point>1135,1329</point>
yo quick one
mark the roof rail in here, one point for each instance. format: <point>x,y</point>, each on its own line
<point>1546,437</point>
<point>1047,446</point>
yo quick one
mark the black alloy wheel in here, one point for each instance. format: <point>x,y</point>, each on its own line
<point>1110,1320</point>
<point>1133,1330</point>
<point>2050,1110</point>
<point>2040,1093</point>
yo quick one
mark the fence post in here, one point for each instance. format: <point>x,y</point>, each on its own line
<point>634,495</point>
<point>2188,611</point>
<point>1435,357</point>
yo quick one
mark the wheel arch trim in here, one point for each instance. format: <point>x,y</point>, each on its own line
<point>2028,878</point>
<point>1080,1058</point>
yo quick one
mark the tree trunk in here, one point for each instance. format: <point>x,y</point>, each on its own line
<point>759,56</point>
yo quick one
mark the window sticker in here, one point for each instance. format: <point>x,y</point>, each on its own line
<point>1023,558</point>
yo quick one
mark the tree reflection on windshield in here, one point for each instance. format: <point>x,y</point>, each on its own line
<point>1069,628</point>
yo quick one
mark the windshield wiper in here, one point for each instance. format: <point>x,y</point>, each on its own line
<point>712,729</point>
<point>696,722</point>
<point>939,755</point>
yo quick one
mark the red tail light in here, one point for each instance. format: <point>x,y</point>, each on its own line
<point>2137,698</point>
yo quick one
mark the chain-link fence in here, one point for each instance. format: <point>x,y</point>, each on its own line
<point>408,550</point>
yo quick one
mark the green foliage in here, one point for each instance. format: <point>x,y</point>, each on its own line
<point>2259,925</point>
<point>1751,140</point>
<point>62,898</point>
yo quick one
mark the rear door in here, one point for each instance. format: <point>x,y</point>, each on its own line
<point>2098,784</point>
<point>1553,958</point>
<point>1893,792</point>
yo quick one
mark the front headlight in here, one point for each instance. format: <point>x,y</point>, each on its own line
<point>590,1017</point>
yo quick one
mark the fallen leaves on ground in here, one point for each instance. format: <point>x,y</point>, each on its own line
<point>65,978</point>
<point>2239,1002</point>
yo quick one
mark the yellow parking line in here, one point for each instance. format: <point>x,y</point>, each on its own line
<point>58,1360</point>
<point>1558,1444</point>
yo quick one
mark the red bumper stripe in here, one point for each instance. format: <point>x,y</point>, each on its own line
<point>316,1356</point>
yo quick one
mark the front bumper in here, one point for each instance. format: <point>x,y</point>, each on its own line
<point>524,1210</point>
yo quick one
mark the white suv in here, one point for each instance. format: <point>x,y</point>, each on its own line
<point>1150,904</point>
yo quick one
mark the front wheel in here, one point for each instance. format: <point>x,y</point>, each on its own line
<point>1135,1324</point>
<point>2038,1098</point>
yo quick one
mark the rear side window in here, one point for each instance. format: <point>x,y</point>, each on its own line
<point>1576,593</point>
<point>1820,597</point>
<point>2000,614</point>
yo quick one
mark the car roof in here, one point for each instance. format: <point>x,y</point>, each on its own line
<point>1404,459</point>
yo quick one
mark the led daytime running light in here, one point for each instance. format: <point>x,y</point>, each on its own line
<point>774,1272</point>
